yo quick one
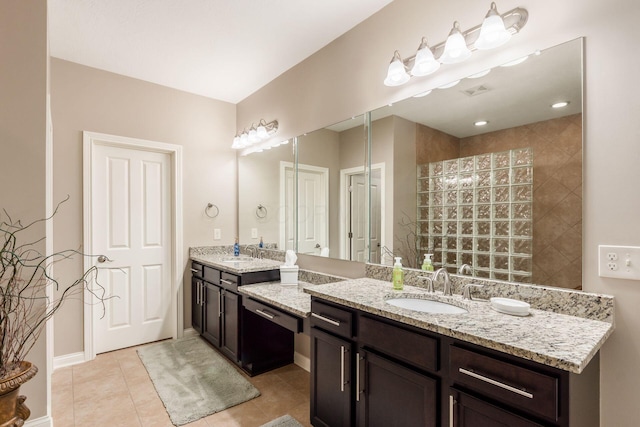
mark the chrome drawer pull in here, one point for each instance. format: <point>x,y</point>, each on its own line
<point>326,319</point>
<point>193,270</point>
<point>342,368</point>
<point>358,358</point>
<point>226,282</point>
<point>265,314</point>
<point>496,383</point>
<point>452,403</point>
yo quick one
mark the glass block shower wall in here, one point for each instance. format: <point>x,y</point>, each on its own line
<point>478,210</point>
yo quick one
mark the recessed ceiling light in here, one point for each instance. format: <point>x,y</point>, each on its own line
<point>421,94</point>
<point>448,85</point>
<point>515,62</point>
<point>481,123</point>
<point>560,104</point>
<point>480,74</point>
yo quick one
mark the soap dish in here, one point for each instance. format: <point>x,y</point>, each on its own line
<point>510,306</point>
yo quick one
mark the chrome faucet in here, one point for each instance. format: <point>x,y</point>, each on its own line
<point>446,289</point>
<point>252,250</point>
<point>465,269</point>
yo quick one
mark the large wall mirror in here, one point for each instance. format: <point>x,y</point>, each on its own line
<point>504,197</point>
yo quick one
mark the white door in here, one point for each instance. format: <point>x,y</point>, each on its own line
<point>357,214</point>
<point>313,209</point>
<point>131,225</point>
<point>376,205</point>
<point>287,203</point>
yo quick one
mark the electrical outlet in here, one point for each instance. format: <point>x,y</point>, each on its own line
<point>619,262</point>
<point>254,233</point>
<point>217,235</point>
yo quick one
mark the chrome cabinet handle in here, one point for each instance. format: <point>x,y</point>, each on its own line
<point>226,282</point>
<point>326,319</point>
<point>358,358</point>
<point>496,383</point>
<point>220,304</point>
<point>342,368</point>
<point>202,293</point>
<point>265,314</point>
<point>198,292</point>
<point>452,403</point>
<point>194,271</point>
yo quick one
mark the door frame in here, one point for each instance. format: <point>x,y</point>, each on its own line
<point>345,174</point>
<point>324,172</point>
<point>89,141</point>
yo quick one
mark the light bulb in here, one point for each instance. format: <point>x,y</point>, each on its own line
<point>397,73</point>
<point>253,136</point>
<point>425,63</point>
<point>244,139</point>
<point>262,132</point>
<point>455,48</point>
<point>492,33</point>
<point>236,142</point>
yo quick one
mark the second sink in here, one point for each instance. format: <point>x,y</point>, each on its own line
<point>426,305</point>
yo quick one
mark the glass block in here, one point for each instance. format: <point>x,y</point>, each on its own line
<point>451,197</point>
<point>483,195</point>
<point>435,169</point>
<point>466,180</point>
<point>452,258</point>
<point>451,182</point>
<point>501,160</point>
<point>466,243</point>
<point>437,184</point>
<point>522,193</point>
<point>483,228</point>
<point>423,213</point>
<point>437,258</point>
<point>522,246</point>
<point>522,175</point>
<point>423,242</point>
<point>423,227</point>
<point>466,228</point>
<point>483,162</point>
<point>436,228</point>
<point>466,197</point>
<point>522,211</point>
<point>482,273</point>
<point>501,211</point>
<point>483,244</point>
<point>452,228</point>
<point>452,212</point>
<point>452,242</point>
<point>522,157</point>
<point>483,179</point>
<point>466,258</point>
<point>501,194</point>
<point>466,164</point>
<point>501,245</point>
<point>483,211</point>
<point>501,228</point>
<point>501,262</point>
<point>423,170</point>
<point>436,198</point>
<point>501,177</point>
<point>451,167</point>
<point>500,276</point>
<point>423,199</point>
<point>521,278</point>
<point>522,228</point>
<point>483,261</point>
<point>467,212</point>
<point>436,213</point>
<point>435,243</point>
<point>522,264</point>
<point>423,185</point>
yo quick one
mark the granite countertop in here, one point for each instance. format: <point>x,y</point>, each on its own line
<point>290,298</point>
<point>243,264</point>
<point>558,340</point>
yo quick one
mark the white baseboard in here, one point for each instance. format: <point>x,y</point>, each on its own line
<point>303,361</point>
<point>68,360</point>
<point>45,421</point>
<point>189,332</point>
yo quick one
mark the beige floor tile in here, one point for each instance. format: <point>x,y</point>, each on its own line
<point>153,414</point>
<point>62,376</point>
<point>279,402</point>
<point>105,387</point>
<point>115,411</point>
<point>244,415</point>
<point>143,393</point>
<point>301,413</point>
<point>95,369</point>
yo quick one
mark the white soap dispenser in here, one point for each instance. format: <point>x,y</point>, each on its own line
<point>398,275</point>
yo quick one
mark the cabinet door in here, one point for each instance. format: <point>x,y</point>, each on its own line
<point>391,395</point>
<point>230,325</point>
<point>468,411</point>
<point>331,391</point>
<point>196,306</point>
<point>212,314</point>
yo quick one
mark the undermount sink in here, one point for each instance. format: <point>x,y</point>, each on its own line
<point>426,305</point>
<point>237,259</point>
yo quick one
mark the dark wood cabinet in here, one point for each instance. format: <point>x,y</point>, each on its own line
<point>331,380</point>
<point>197,312</point>
<point>469,411</point>
<point>212,310</point>
<point>229,344</point>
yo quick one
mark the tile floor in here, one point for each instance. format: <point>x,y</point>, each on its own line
<point>115,390</point>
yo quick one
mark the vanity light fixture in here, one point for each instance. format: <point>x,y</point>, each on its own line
<point>560,104</point>
<point>448,85</point>
<point>256,134</point>
<point>421,94</point>
<point>515,62</point>
<point>480,74</point>
<point>494,31</point>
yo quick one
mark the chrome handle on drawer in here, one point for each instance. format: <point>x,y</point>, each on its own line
<point>265,314</point>
<point>341,368</point>
<point>452,403</point>
<point>226,282</point>
<point>193,270</point>
<point>496,383</point>
<point>220,304</point>
<point>326,319</point>
<point>358,377</point>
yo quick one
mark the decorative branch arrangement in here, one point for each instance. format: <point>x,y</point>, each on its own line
<point>25,274</point>
<point>407,243</point>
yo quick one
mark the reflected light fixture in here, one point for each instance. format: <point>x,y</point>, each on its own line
<point>515,62</point>
<point>450,84</point>
<point>397,73</point>
<point>492,33</point>
<point>255,135</point>
<point>481,123</point>
<point>480,74</point>
<point>560,104</point>
<point>495,30</point>
<point>421,94</point>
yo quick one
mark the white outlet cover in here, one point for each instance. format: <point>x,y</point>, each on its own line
<point>619,262</point>
<point>217,235</point>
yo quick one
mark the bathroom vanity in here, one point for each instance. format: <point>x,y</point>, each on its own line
<point>373,364</point>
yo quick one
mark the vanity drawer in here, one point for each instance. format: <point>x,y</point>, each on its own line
<point>197,269</point>
<point>506,382</point>
<point>412,347</point>
<point>212,275</point>
<point>229,281</point>
<point>332,319</point>
<point>275,315</point>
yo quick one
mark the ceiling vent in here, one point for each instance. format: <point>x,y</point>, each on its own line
<point>478,90</point>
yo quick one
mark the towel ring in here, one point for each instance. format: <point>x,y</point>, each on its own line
<point>259,211</point>
<point>208,208</point>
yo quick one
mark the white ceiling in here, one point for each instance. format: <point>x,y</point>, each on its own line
<point>222,49</point>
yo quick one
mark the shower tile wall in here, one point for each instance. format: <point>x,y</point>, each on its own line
<point>477,210</point>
